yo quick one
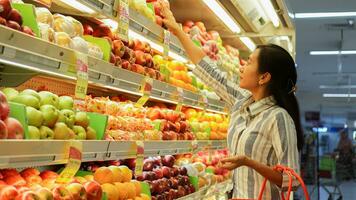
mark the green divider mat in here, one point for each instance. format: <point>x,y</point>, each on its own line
<point>104,197</point>
<point>83,173</point>
<point>98,122</point>
<point>145,189</point>
<point>209,171</point>
<point>194,180</point>
<point>18,111</point>
<point>102,43</point>
<point>28,16</point>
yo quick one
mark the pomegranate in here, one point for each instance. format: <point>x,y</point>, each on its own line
<point>14,129</point>
<point>4,107</point>
<point>5,8</point>
<point>3,130</point>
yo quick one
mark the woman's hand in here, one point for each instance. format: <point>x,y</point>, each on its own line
<point>168,18</point>
<point>234,162</point>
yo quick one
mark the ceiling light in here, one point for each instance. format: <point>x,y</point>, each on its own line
<point>337,86</point>
<point>223,15</point>
<point>324,15</point>
<point>346,52</point>
<point>270,11</point>
<point>249,43</point>
<point>340,95</point>
<point>78,6</point>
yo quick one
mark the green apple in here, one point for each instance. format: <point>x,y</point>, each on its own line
<point>61,131</point>
<point>71,134</point>
<point>34,133</point>
<point>48,98</point>
<point>66,102</point>
<point>27,100</point>
<point>80,133</point>
<point>10,93</point>
<point>67,116</point>
<point>82,119</point>
<point>50,115</point>
<point>31,92</point>
<point>91,133</point>
<point>195,126</point>
<point>46,133</point>
<point>34,116</point>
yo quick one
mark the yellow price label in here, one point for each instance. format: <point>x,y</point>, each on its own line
<point>81,85</point>
<point>145,89</point>
<point>166,42</point>
<point>123,17</point>
<point>140,150</point>
<point>74,161</point>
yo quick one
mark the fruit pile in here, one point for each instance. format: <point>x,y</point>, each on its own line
<point>10,128</point>
<point>206,125</point>
<point>166,180</point>
<point>50,116</point>
<point>31,184</point>
<point>12,18</point>
<point>149,8</point>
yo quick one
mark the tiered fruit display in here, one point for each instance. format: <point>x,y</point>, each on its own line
<point>207,125</point>
<point>10,128</point>
<point>50,116</point>
<point>149,8</point>
<point>12,18</point>
<point>32,184</point>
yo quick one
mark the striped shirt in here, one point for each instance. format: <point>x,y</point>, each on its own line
<point>260,130</point>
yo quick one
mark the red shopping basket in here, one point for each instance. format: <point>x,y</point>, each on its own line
<point>290,173</point>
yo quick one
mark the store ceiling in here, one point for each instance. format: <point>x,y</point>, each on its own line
<point>313,34</point>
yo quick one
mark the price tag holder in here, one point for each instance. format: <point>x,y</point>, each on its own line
<point>81,85</point>
<point>74,161</point>
<point>140,150</point>
<point>166,42</point>
<point>146,89</point>
<point>209,151</point>
<point>180,99</point>
<point>194,146</point>
<point>203,102</point>
<point>122,7</point>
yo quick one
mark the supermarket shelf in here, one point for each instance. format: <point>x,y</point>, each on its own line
<point>28,153</point>
<point>210,190</point>
<point>40,57</point>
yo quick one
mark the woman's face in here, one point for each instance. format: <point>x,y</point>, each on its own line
<point>249,74</point>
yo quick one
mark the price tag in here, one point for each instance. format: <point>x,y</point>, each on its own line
<point>74,161</point>
<point>81,86</point>
<point>180,99</point>
<point>146,89</point>
<point>122,6</point>
<point>194,146</point>
<point>139,158</point>
<point>166,42</point>
<point>209,151</point>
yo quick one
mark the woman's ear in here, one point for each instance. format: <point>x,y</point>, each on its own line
<point>264,78</point>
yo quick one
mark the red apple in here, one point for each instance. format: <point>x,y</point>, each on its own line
<point>158,8</point>
<point>33,179</point>
<point>168,160</point>
<point>13,25</point>
<point>130,163</point>
<point>138,45</point>
<point>77,190</point>
<point>61,193</point>
<point>140,57</point>
<point>154,114</point>
<point>150,72</point>
<point>159,20</point>
<point>186,29</point>
<point>93,190</point>
<point>2,21</point>
<point>8,192</point>
<point>126,65</point>
<point>189,23</point>
<point>5,8</point>
<point>88,30</point>
<point>44,194</point>
<point>9,172</point>
<point>102,30</point>
<point>15,15</point>
<point>159,173</point>
<point>169,135</point>
<point>138,69</point>
<point>30,171</point>
<point>47,174</point>
<point>14,128</point>
<point>118,48</point>
<point>3,130</point>
<point>112,58</point>
<point>4,107</point>
<point>28,195</point>
<point>118,61</point>
<point>166,171</point>
<point>148,165</point>
<point>16,181</point>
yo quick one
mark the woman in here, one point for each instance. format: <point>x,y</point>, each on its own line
<point>265,128</point>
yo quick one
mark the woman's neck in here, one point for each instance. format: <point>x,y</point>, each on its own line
<point>260,93</point>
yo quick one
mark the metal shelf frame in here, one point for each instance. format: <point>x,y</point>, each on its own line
<point>33,153</point>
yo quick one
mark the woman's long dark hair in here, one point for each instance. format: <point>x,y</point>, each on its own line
<point>280,64</point>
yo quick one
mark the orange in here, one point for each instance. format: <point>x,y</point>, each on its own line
<point>103,175</point>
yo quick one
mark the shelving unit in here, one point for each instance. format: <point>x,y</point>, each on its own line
<point>27,153</point>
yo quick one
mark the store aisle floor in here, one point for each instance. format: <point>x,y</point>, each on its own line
<point>347,188</point>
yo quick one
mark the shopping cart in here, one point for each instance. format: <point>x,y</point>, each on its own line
<point>329,181</point>
<point>291,174</point>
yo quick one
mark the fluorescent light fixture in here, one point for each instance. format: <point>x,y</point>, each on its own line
<point>324,15</point>
<point>270,11</point>
<point>79,6</point>
<point>346,52</point>
<point>223,15</point>
<point>249,43</point>
<point>320,129</point>
<point>337,86</point>
<point>339,95</point>
<point>291,15</point>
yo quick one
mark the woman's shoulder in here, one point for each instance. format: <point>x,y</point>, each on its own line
<point>281,114</point>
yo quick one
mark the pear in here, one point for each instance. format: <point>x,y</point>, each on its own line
<point>27,100</point>
<point>61,131</point>
<point>31,92</point>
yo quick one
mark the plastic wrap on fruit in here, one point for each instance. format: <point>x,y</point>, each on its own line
<point>47,33</point>
<point>79,44</point>
<point>63,24</point>
<point>191,170</point>
<point>63,39</point>
<point>112,108</point>
<point>96,105</point>
<point>95,51</point>
<point>43,15</point>
<point>78,27</point>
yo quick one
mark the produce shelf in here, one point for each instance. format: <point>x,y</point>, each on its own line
<point>20,61</point>
<point>209,191</point>
<point>31,153</point>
